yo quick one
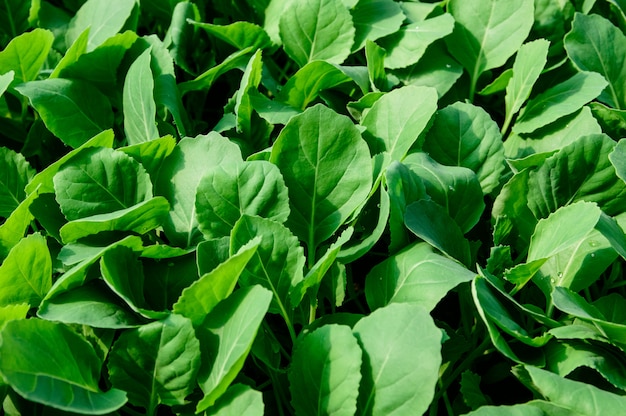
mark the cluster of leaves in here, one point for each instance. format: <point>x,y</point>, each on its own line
<point>343,207</point>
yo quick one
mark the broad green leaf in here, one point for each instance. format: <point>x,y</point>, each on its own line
<point>400,342</point>
<point>78,48</point>
<point>618,159</point>
<point>44,178</point>
<point>73,110</point>
<point>151,154</point>
<point>278,262</point>
<point>582,398</point>
<point>26,273</point>
<point>579,171</point>
<point>239,399</point>
<point>532,408</point>
<point>168,278</point>
<point>529,62</point>
<point>26,54</point>
<point>15,173</point>
<point>327,172</point>
<point>416,275</point>
<point>156,363</point>
<point>375,56</point>
<point>139,106</point>
<point>14,16</point>
<point>49,363</point>
<point>398,118</point>
<point>465,135</point>
<point>487,33</point>
<point>306,84</point>
<point>211,253</point>
<point>241,35</point>
<point>105,18</point>
<point>325,372</point>
<point>407,46</point>
<point>595,44</point>
<point>98,181</point>
<point>561,100</point>
<point>13,312</point>
<point>140,218</point>
<point>317,30</point>
<point>436,69</point>
<point>123,273</point>
<point>91,304</point>
<point>226,337</point>
<point>199,299</point>
<point>455,188</point>
<point>179,177</point>
<point>227,192</point>
<point>374,19</point>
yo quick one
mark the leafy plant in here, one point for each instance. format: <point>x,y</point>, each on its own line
<point>342,207</point>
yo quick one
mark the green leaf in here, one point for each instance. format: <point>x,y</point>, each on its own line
<point>226,336</point>
<point>588,400</point>
<point>529,62</point>
<point>470,389</point>
<point>618,159</point>
<point>465,135</point>
<point>595,44</point>
<point>26,273</point>
<point>156,363</point>
<point>105,18</point>
<point>400,342</point>
<point>416,275</point>
<point>408,45</point>
<point>230,191</point>
<point>325,372</point>
<point>327,172</point>
<point>375,56</point>
<point>14,17</point>
<point>239,399</point>
<point>241,35</point>
<point>278,262</point>
<point>26,54</point>
<point>199,299</point>
<point>98,181</point>
<point>579,171</point>
<point>139,106</point>
<point>73,110</point>
<point>532,408</point>
<point>13,312</point>
<point>374,19</point>
<point>15,173</point>
<point>398,118</point>
<point>561,100</point>
<point>49,363</point>
<point>151,154</point>
<point>179,177</point>
<point>317,30</point>
<point>487,33</point>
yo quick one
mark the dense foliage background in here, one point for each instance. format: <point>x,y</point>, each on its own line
<point>342,207</point>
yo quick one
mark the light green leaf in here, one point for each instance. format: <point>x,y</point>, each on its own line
<point>327,172</point>
<point>199,299</point>
<point>49,363</point>
<point>241,34</point>
<point>233,324</point>
<point>151,154</point>
<point>532,408</point>
<point>375,57</point>
<point>239,399</point>
<point>561,100</point>
<point>105,18</point>
<point>26,54</point>
<point>26,273</point>
<point>74,52</point>
<point>417,275</point>
<point>156,363</point>
<point>407,46</point>
<point>13,312</point>
<point>400,342</point>
<point>529,62</point>
<point>278,262</point>
<point>98,181</point>
<point>374,19</point>
<point>15,173</point>
<point>488,33</point>
<point>465,135</point>
<point>325,372</point>
<point>139,106</point>
<point>398,118</point>
<point>618,159</point>
<point>595,44</point>
<point>179,177</point>
<point>73,110</point>
<point>317,30</point>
